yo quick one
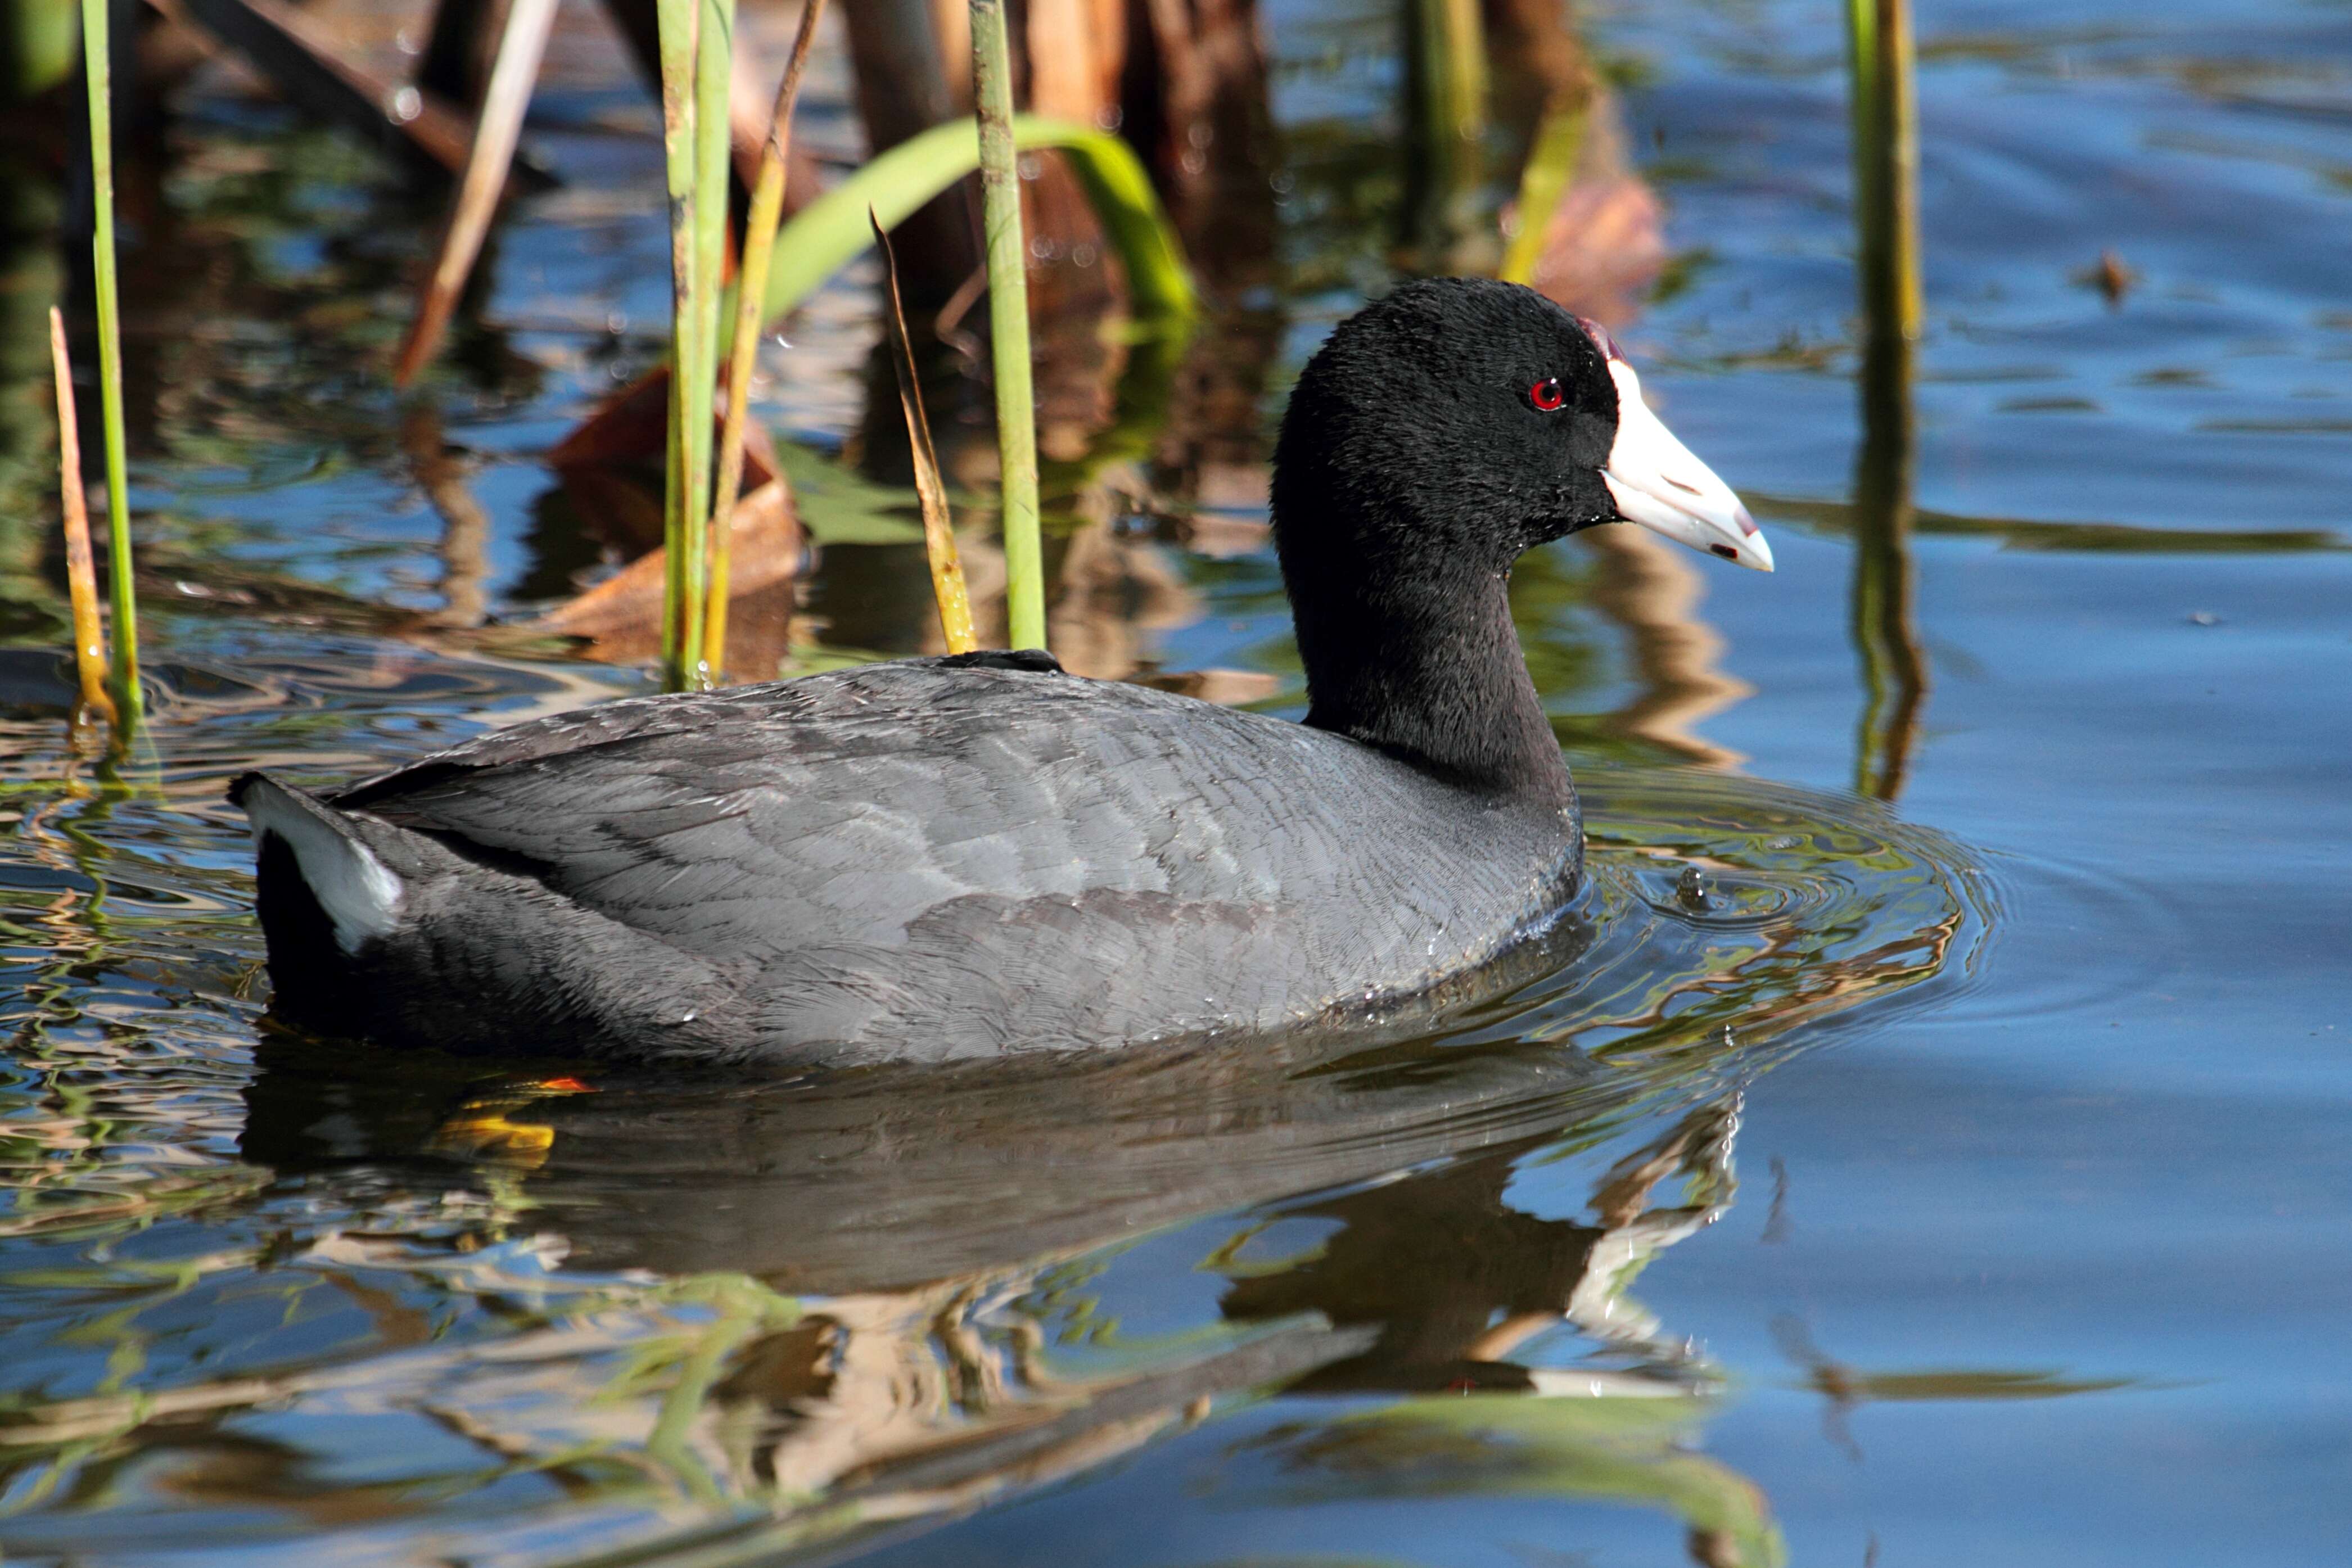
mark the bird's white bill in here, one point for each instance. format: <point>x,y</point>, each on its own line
<point>1659,485</point>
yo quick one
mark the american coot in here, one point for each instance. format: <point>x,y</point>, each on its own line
<point>961,857</point>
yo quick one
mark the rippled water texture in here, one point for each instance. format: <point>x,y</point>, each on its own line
<point>1980,1148</point>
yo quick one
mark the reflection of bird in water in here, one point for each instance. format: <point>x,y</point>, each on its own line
<point>1456,1280</point>
<point>1457,1284</point>
<point>924,1238</point>
<point>917,1400</point>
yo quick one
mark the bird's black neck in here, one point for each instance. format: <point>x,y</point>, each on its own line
<point>1425,664</point>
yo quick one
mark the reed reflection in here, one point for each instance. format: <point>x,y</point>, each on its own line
<point>1887,258</point>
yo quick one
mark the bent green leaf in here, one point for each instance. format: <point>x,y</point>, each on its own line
<point>824,237</point>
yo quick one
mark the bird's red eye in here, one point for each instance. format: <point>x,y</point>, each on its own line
<point>1546,395</point>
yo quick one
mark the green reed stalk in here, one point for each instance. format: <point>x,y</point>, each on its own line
<point>1452,45</point>
<point>750,291</point>
<point>122,671</point>
<point>1446,106</point>
<point>1008,315</point>
<point>1880,60</point>
<point>714,77</point>
<point>696,41</point>
<point>824,235</point>
<point>679,25</point>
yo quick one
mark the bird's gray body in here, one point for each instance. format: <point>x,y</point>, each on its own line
<point>926,858</point>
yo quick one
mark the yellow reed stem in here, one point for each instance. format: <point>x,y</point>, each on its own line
<point>939,533</point>
<point>751,295</point>
<point>82,572</point>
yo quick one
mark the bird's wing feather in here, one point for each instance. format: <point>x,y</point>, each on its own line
<point>842,809</point>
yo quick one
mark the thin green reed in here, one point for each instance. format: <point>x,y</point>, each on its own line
<point>750,290</point>
<point>678,31</point>
<point>1446,85</point>
<point>1885,165</point>
<point>696,53</point>
<point>714,75</point>
<point>122,669</point>
<point>1551,164</point>
<point>1008,312</point>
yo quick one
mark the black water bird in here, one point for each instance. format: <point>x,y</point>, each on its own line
<point>964,857</point>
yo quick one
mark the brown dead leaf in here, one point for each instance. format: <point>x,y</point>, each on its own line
<point>621,617</point>
<point>605,462</point>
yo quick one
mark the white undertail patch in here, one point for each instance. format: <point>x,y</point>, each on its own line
<point>359,895</point>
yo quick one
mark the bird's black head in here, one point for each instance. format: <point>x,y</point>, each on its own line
<point>1438,433</point>
<point>1458,421</point>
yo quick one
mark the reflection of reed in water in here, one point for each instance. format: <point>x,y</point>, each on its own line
<point>1844,1390</point>
<point>464,526</point>
<point>1655,598</point>
<point>1894,665</point>
<point>1887,224</point>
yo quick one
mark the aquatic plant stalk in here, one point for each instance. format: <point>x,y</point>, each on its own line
<point>679,22</point>
<point>1445,93</point>
<point>122,671</point>
<point>939,532</point>
<point>504,101</point>
<point>1451,44</point>
<point>714,82</point>
<point>82,572</point>
<point>750,289</point>
<point>1008,315</point>
<point>696,38</point>
<point>36,49</point>
<point>1880,60</point>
